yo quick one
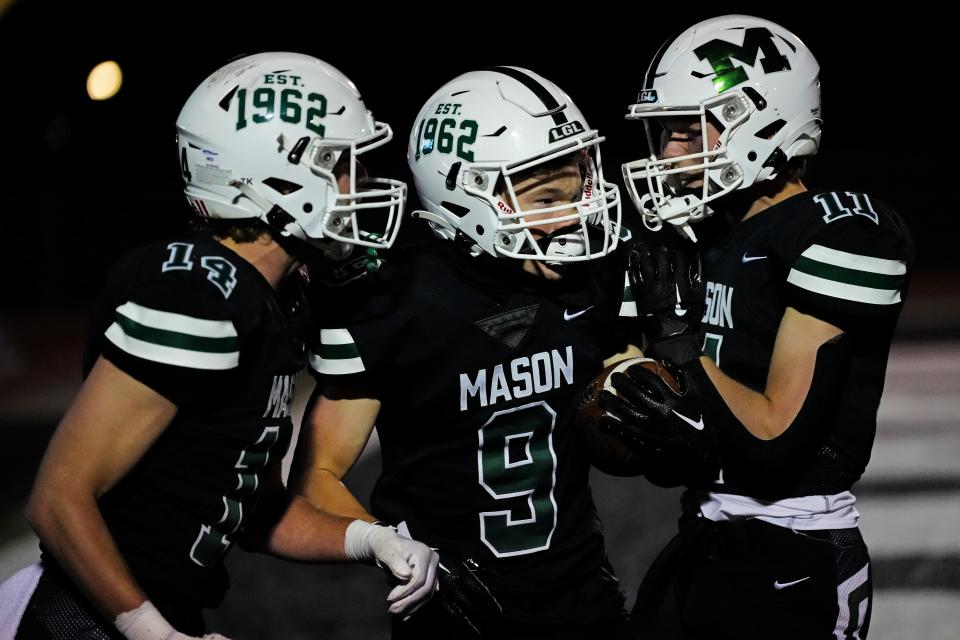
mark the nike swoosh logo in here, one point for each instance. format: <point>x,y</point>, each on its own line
<point>745,259</point>
<point>783,585</point>
<point>570,316</point>
<point>696,425</point>
<point>680,311</point>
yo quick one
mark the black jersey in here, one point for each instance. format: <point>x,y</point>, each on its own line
<point>477,366</point>
<point>201,326</point>
<point>842,257</point>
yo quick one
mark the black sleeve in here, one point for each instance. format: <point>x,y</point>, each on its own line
<point>174,334</point>
<point>847,270</point>
<point>353,349</point>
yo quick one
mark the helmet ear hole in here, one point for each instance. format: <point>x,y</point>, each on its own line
<point>770,130</point>
<point>281,186</point>
<point>455,209</point>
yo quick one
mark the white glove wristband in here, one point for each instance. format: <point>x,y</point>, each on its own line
<point>144,623</point>
<point>360,539</point>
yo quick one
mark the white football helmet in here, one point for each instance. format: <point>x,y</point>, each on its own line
<point>476,135</point>
<point>262,138</point>
<point>759,84</point>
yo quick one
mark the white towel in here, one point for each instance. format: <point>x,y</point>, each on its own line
<point>15,593</point>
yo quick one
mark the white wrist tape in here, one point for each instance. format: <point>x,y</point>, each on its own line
<point>361,538</point>
<point>144,623</point>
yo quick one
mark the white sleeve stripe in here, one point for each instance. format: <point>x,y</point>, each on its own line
<point>855,261</point>
<point>834,289</point>
<point>177,322</point>
<point>336,367</point>
<point>335,336</point>
<point>171,355</point>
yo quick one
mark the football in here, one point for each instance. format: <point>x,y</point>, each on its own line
<point>605,452</point>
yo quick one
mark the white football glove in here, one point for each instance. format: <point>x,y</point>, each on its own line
<point>413,563</point>
<point>146,623</point>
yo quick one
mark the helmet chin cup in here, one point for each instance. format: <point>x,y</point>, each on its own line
<point>673,209</point>
<point>569,242</point>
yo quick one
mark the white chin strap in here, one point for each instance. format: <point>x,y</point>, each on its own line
<point>672,209</point>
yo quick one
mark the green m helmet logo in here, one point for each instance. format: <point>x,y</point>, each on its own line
<point>721,55</point>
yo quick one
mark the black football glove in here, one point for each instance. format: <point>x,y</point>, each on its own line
<point>667,429</point>
<point>466,601</point>
<point>463,607</point>
<point>668,288</point>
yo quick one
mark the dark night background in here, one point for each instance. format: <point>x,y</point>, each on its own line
<point>82,182</point>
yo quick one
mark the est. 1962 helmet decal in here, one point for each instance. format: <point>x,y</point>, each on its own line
<point>447,135</point>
